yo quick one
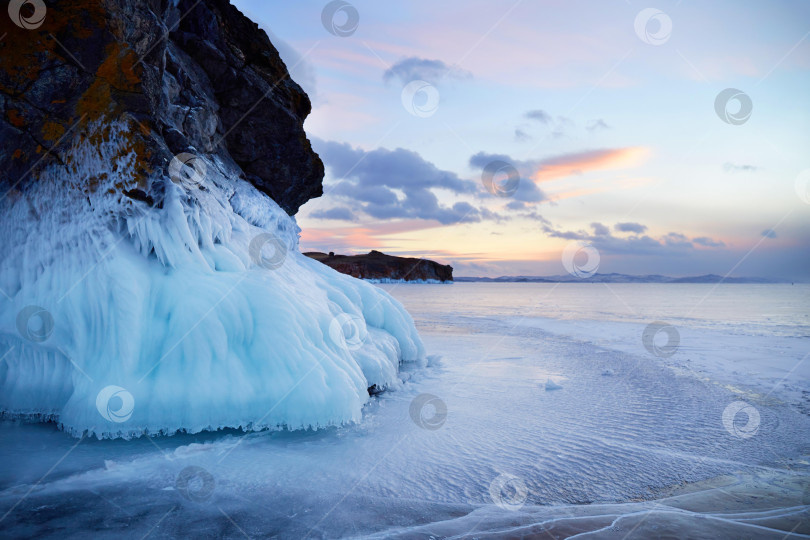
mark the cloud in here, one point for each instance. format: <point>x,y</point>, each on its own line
<point>733,167</point>
<point>596,125</point>
<point>600,230</point>
<point>676,240</point>
<point>482,159</point>
<point>533,215</point>
<point>338,212</point>
<point>521,136</point>
<point>414,68</point>
<point>539,115</point>
<point>533,172</point>
<point>396,184</point>
<point>637,228</point>
<point>371,194</point>
<point>590,160</point>
<point>708,242</point>
<point>527,190</point>
<point>383,168</point>
<point>559,125</point>
<point>516,205</point>
<point>399,184</point>
<point>671,244</point>
<point>423,204</point>
<point>769,233</point>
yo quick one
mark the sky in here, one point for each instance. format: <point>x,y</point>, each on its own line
<point>494,135</point>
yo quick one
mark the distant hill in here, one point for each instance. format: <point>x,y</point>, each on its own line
<point>619,278</point>
<point>376,265</point>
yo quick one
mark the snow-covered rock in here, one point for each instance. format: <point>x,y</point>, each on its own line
<point>201,314</point>
<point>150,277</point>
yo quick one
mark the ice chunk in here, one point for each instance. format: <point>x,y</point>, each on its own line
<point>124,319</point>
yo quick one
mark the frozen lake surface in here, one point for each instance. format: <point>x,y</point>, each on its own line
<point>547,410</point>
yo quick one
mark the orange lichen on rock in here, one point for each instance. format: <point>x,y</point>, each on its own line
<point>118,68</point>
<point>94,181</point>
<point>22,59</point>
<point>52,131</point>
<point>117,71</point>
<point>15,118</point>
<point>95,101</point>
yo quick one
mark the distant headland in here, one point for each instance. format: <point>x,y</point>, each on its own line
<point>377,266</point>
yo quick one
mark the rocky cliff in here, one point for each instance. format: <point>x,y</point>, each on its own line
<point>187,77</point>
<point>377,265</point>
<point>153,153</point>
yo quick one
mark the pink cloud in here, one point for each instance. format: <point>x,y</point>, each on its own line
<point>591,160</point>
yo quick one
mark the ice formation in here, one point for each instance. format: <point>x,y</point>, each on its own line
<point>123,319</point>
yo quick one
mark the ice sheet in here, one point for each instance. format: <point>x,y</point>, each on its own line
<point>471,446</point>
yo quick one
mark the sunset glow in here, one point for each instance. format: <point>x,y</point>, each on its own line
<point>604,121</point>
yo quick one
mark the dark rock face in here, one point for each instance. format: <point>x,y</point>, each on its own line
<point>377,265</point>
<point>198,77</point>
